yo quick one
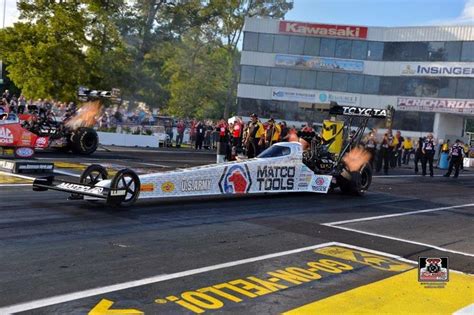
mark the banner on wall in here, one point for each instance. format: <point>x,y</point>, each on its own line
<point>319,63</point>
<point>312,29</point>
<point>436,105</point>
<point>438,69</point>
<point>307,96</point>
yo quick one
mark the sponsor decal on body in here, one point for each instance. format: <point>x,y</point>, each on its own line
<point>235,180</point>
<point>6,136</point>
<point>321,183</point>
<point>167,187</point>
<point>191,185</point>
<point>323,29</point>
<point>81,188</point>
<point>41,142</point>
<point>147,187</point>
<point>275,178</point>
<point>24,152</point>
<point>118,192</point>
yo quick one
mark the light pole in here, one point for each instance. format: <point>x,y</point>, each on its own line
<point>4,9</point>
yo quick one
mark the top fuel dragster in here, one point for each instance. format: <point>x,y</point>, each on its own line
<point>316,166</point>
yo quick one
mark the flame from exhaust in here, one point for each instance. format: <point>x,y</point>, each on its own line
<point>86,116</point>
<point>356,158</point>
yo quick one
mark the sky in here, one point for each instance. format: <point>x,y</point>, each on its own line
<point>356,12</point>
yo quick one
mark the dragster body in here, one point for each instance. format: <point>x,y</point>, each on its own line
<point>278,169</point>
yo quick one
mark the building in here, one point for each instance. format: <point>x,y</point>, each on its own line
<point>426,73</point>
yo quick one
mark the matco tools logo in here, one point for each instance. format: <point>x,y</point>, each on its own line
<point>235,180</point>
<point>6,135</point>
<point>433,269</point>
<point>323,29</point>
<point>81,188</point>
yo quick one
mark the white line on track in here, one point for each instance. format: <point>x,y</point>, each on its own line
<point>153,164</point>
<point>61,172</point>
<point>398,214</point>
<point>402,240</point>
<point>416,175</point>
<point>17,175</point>
<point>15,185</point>
<point>337,225</point>
<point>22,307</point>
<point>468,310</point>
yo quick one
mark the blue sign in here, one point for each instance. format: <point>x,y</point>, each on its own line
<point>319,63</point>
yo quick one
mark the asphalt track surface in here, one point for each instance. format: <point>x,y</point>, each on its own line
<point>248,255</point>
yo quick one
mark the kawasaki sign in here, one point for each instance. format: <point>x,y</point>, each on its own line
<point>309,29</point>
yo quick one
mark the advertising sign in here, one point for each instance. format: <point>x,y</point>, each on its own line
<point>289,27</point>
<point>436,105</point>
<point>449,69</point>
<point>340,98</point>
<point>319,63</point>
<point>305,96</point>
<point>294,95</point>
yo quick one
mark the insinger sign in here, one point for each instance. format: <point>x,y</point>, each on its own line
<point>323,29</point>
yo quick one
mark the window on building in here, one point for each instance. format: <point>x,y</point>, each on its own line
<point>413,121</point>
<point>453,51</point>
<point>430,87</point>
<point>328,45</point>
<point>396,51</point>
<point>375,51</point>
<point>447,87</point>
<point>281,43</point>
<point>371,84</point>
<point>324,81</point>
<point>355,83</point>
<point>262,75</point>
<point>311,46</point>
<point>463,87</point>
<point>418,51</point>
<point>308,79</point>
<point>390,86</point>
<point>250,41</point>
<point>467,53</point>
<point>278,77</point>
<point>296,45</point>
<point>411,87</point>
<point>265,42</point>
<point>339,82</point>
<point>247,74</point>
<point>293,78</point>
<point>359,49</point>
<point>343,48</point>
<point>436,51</point>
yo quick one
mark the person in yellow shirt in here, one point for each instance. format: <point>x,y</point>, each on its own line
<point>272,133</point>
<point>407,150</point>
<point>255,137</point>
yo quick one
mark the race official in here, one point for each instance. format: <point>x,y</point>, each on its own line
<point>418,153</point>
<point>371,147</point>
<point>385,152</point>
<point>455,158</point>
<point>407,150</point>
<point>255,137</point>
<point>272,133</point>
<point>428,151</point>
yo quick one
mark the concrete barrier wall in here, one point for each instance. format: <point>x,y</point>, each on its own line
<point>129,140</point>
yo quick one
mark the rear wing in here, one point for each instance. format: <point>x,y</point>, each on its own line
<point>358,111</point>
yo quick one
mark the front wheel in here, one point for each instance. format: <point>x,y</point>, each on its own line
<point>124,188</point>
